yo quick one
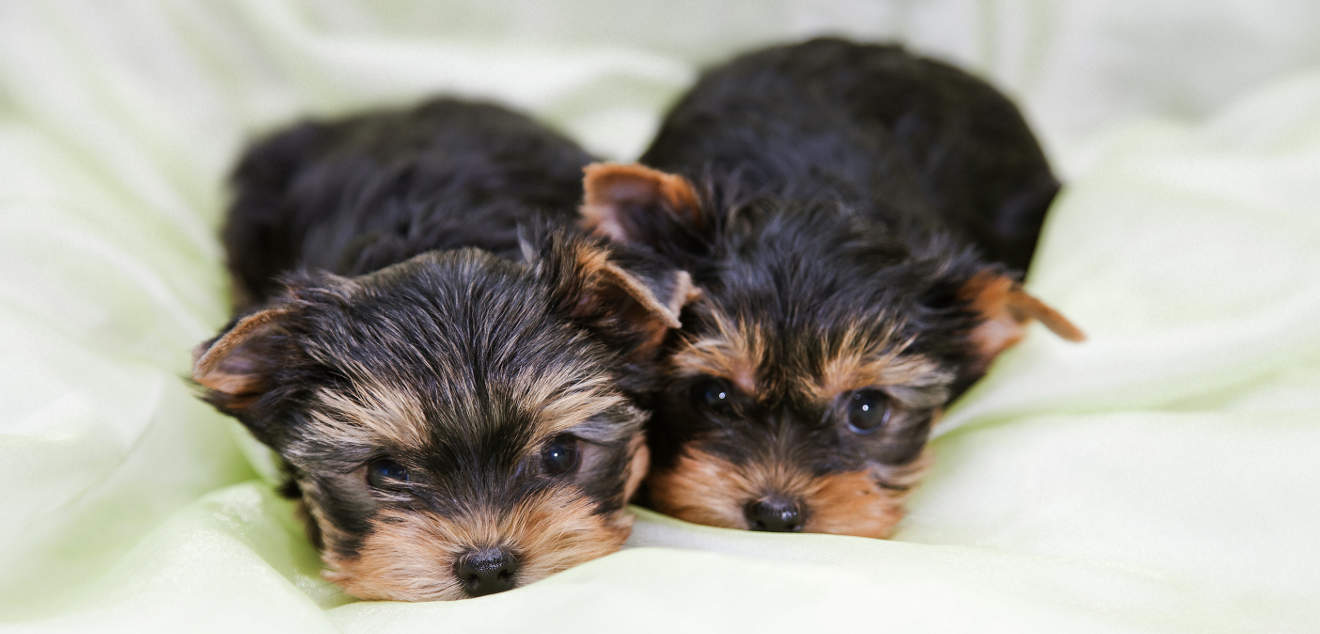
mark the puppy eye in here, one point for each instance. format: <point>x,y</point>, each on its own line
<point>715,395</point>
<point>560,456</point>
<point>868,410</point>
<point>384,473</point>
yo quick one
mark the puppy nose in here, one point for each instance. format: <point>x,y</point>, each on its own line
<point>486,571</point>
<point>774,513</point>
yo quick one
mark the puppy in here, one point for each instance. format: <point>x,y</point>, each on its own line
<point>455,420</point>
<point>861,217</point>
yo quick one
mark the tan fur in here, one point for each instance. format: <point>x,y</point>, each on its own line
<point>853,503</point>
<point>703,489</point>
<point>856,365</point>
<point>372,413</point>
<point>410,556</point>
<point>375,411</point>
<point>1007,309</point>
<point>637,466</point>
<point>685,292</point>
<point>650,314</point>
<point>643,295</point>
<point>706,489</point>
<point>209,368</point>
<point>734,353</point>
<point>310,492</point>
<point>609,186</point>
<point>591,259</point>
<point>563,398</point>
<point>1022,303</point>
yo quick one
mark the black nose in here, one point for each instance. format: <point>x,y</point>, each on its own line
<point>774,513</point>
<point>486,571</point>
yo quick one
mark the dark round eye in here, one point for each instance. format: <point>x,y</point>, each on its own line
<point>715,395</point>
<point>384,473</point>
<point>867,411</point>
<point>560,456</point>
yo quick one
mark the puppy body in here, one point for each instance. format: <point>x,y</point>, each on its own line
<point>456,420</point>
<point>858,213</point>
<point>892,136</point>
<point>356,194</point>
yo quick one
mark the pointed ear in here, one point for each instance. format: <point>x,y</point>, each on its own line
<point>637,466</point>
<point>236,368</point>
<point>637,204</point>
<point>1006,309</point>
<point>632,299</point>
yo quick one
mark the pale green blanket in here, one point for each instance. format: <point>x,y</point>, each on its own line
<point>1164,476</point>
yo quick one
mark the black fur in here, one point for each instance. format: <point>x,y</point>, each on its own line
<point>419,260</point>
<point>871,126</point>
<point>356,194</point>
<point>845,188</point>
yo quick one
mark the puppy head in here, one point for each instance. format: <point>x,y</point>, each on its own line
<point>802,389</point>
<point>456,424</point>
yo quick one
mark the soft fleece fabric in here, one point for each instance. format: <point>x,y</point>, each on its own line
<point>1162,477</point>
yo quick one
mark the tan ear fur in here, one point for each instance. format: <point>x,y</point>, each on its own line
<point>624,281</point>
<point>1007,309</point>
<point>637,466</point>
<point>611,188</point>
<point>236,376</point>
<point>652,308</point>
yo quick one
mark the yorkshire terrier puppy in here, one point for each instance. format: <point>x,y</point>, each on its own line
<point>450,383</point>
<point>860,217</point>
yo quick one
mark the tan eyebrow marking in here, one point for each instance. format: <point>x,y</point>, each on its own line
<point>733,353</point>
<point>564,398</point>
<point>372,412</point>
<point>856,364</point>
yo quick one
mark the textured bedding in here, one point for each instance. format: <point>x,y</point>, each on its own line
<point>1162,477</point>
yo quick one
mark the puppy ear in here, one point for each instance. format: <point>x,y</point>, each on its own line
<point>638,465</point>
<point>633,299</point>
<point>236,368</point>
<point>1005,310</point>
<point>637,204</point>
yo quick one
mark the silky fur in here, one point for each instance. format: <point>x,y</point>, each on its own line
<point>706,489</point>
<point>412,290</point>
<point>409,555</point>
<point>856,217</point>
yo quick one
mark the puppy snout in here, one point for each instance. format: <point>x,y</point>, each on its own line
<point>487,571</point>
<point>775,513</point>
